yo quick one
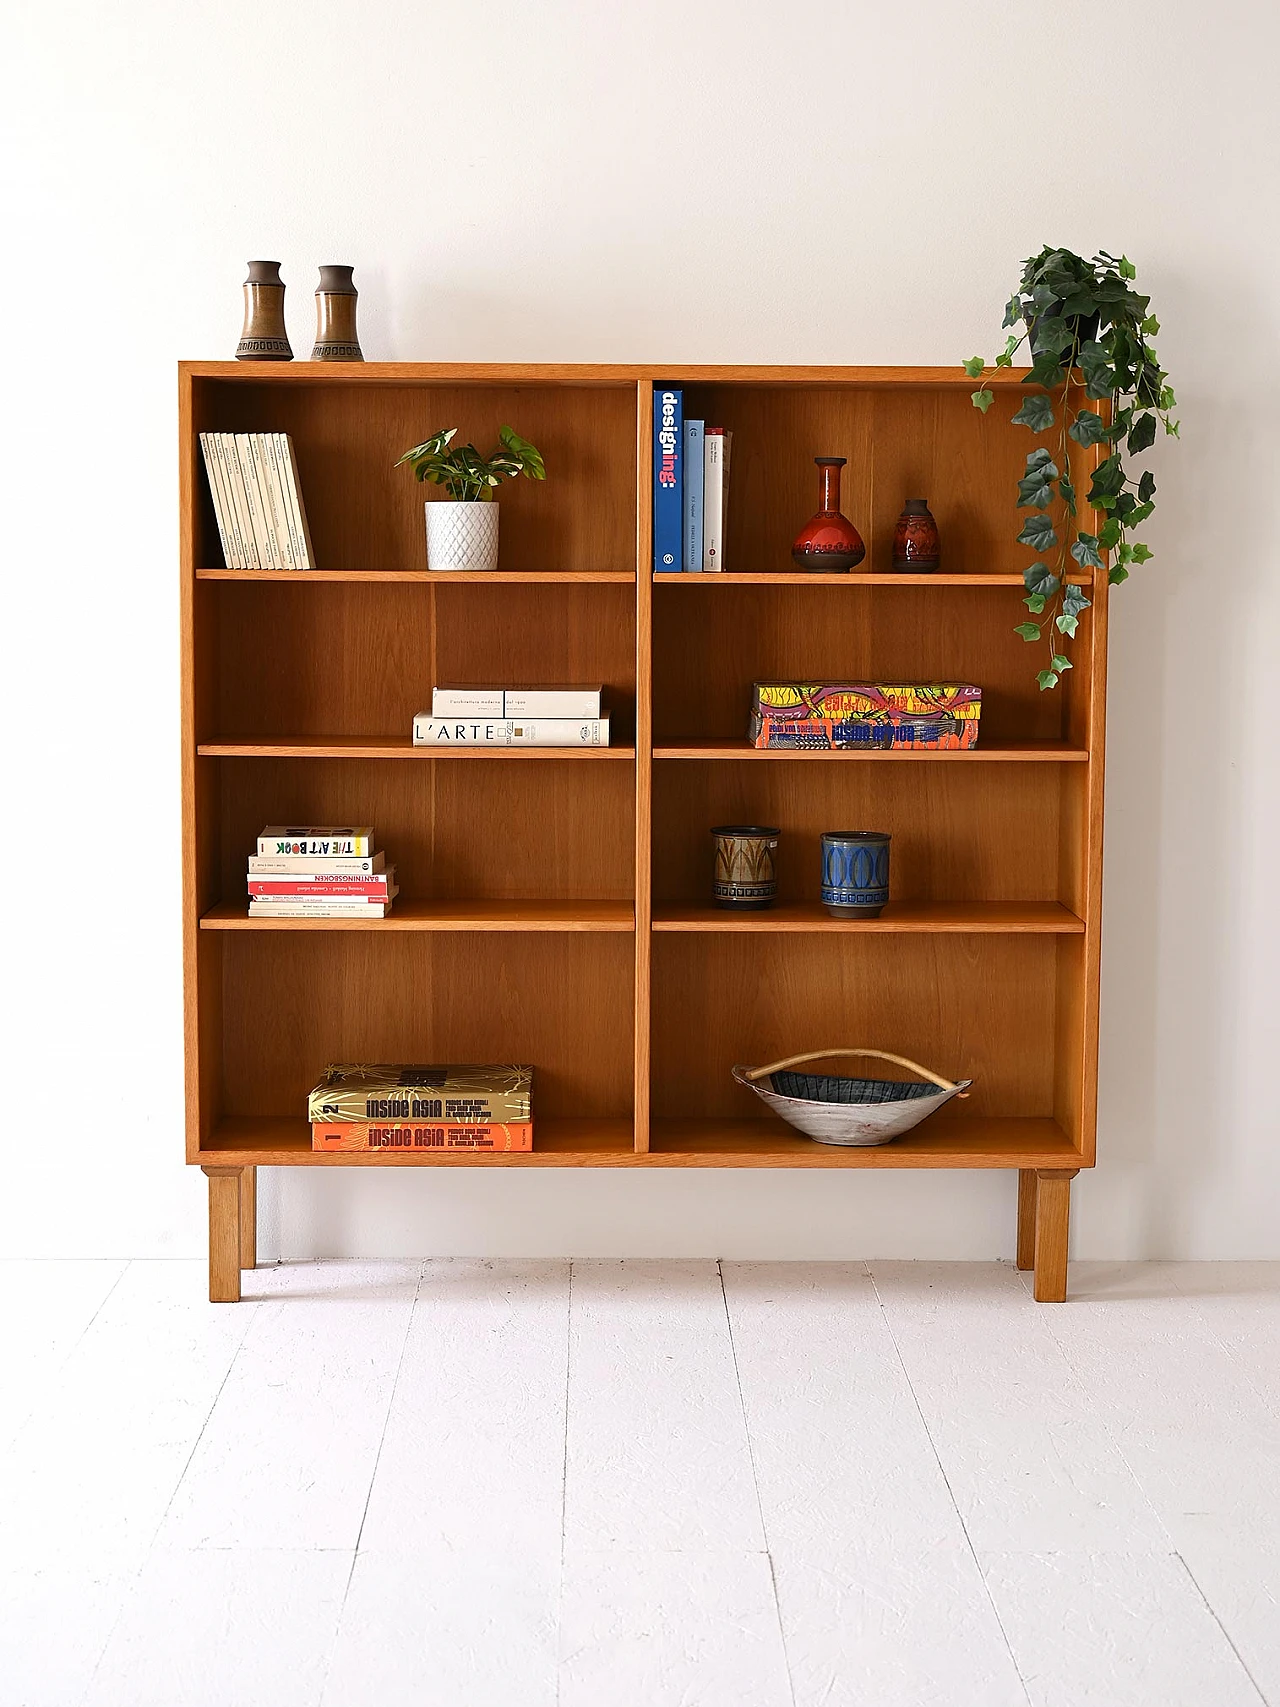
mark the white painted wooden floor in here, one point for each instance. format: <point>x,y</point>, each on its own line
<point>641,1484</point>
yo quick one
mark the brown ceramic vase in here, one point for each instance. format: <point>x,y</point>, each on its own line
<point>828,543</point>
<point>336,339</point>
<point>916,547</point>
<point>263,338</point>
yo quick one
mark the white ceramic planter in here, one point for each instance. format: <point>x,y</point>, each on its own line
<point>462,536</point>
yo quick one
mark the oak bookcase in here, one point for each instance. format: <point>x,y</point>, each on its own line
<point>554,905</point>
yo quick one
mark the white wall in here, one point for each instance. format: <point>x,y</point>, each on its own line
<point>557,181</point>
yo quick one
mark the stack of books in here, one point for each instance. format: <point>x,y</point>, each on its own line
<point>318,872</point>
<point>257,500</point>
<point>691,462</point>
<point>513,717</point>
<point>472,1108</point>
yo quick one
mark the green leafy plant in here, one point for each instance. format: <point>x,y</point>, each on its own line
<point>466,476</point>
<point>1085,325</point>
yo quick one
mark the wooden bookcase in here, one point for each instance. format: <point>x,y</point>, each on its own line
<point>554,906</point>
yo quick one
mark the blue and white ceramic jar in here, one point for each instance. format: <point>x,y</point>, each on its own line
<point>855,873</point>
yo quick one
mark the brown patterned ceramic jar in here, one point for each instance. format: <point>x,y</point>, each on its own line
<point>264,338</point>
<point>336,339</point>
<point>916,547</point>
<point>745,878</point>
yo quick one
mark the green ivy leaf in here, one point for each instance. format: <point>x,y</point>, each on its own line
<point>1096,366</point>
<point>1137,516</point>
<point>1142,554</point>
<point>1142,433</point>
<point>1035,604</point>
<point>1037,532</point>
<point>1036,412</point>
<point>1085,551</point>
<point>1127,268</point>
<point>1005,358</point>
<point>1047,372</point>
<point>1073,600</point>
<point>1066,624</point>
<point>1067,492</point>
<point>982,399</point>
<point>1151,326</point>
<point>1053,335</point>
<point>1116,574</point>
<point>1047,679</point>
<point>1040,581</point>
<point>1028,630</point>
<point>1108,481</point>
<point>974,366</point>
<point>1088,428</point>
<point>1147,487</point>
<point>1035,489</point>
<point>1059,663</point>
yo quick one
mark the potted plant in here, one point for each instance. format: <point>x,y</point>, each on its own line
<point>462,531</point>
<point>1085,326</point>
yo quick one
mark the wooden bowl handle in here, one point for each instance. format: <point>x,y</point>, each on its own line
<point>880,1054</point>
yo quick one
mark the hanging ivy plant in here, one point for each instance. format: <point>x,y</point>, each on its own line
<point>1083,320</point>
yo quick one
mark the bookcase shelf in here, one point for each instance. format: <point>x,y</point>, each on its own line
<point>634,1004</point>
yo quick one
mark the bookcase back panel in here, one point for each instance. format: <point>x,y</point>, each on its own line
<point>562,1003</point>
<point>960,832</point>
<point>710,645</point>
<point>908,442</point>
<point>367,514</point>
<point>470,829</point>
<point>298,658</point>
<point>965,1006</point>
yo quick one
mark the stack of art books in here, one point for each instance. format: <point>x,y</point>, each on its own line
<point>423,1108</point>
<point>513,717</point>
<point>317,871</point>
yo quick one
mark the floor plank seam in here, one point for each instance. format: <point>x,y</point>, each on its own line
<point>946,1481</point>
<point>755,1482</point>
<point>1226,1634</point>
<point>564,1478</point>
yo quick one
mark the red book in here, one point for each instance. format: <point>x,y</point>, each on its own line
<point>511,1135</point>
<point>348,888</point>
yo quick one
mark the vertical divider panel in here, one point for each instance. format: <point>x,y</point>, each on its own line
<point>644,757</point>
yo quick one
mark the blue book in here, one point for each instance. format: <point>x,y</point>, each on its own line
<point>668,479</point>
<point>693,487</point>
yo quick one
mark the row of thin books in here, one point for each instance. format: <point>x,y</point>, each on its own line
<point>513,717</point>
<point>318,871</point>
<point>691,463</point>
<point>257,500</point>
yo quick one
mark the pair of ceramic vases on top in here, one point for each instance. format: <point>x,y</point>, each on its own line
<point>830,544</point>
<point>264,338</point>
<point>855,870</point>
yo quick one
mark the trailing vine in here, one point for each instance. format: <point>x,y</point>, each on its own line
<point>1082,320</point>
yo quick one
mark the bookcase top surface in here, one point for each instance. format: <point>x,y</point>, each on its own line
<point>586,373</point>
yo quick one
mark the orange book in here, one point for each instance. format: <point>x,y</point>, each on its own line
<point>509,1136</point>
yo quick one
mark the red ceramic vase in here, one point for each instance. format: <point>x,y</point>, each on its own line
<point>916,547</point>
<point>828,543</point>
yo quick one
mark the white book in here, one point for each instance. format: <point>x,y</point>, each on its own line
<point>307,885</point>
<point>324,841</point>
<point>295,909</point>
<point>271,503</point>
<point>293,491</point>
<point>214,476</point>
<point>257,512</point>
<point>240,499</point>
<point>295,550</point>
<point>713,500</point>
<point>450,732</point>
<point>503,703</point>
<point>286,865</point>
<point>240,553</point>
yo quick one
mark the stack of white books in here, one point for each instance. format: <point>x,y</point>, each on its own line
<point>513,717</point>
<point>318,871</point>
<point>257,500</point>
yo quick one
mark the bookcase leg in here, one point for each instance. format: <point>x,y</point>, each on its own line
<point>1026,1217</point>
<point>1053,1212</point>
<point>249,1218</point>
<point>224,1235</point>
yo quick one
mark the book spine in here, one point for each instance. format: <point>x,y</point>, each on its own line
<point>289,557</point>
<point>214,476</point>
<point>713,500</point>
<point>501,704</point>
<point>267,864</point>
<point>279,457</point>
<point>333,888</point>
<point>351,844</point>
<point>542,732</point>
<point>235,471</point>
<point>694,481</point>
<point>507,1137</point>
<point>253,498</point>
<point>231,486</point>
<point>264,479</point>
<point>724,499</point>
<point>295,909</point>
<point>295,499</point>
<point>668,485</point>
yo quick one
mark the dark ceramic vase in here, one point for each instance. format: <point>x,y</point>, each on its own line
<point>828,543</point>
<point>855,873</point>
<point>336,339</point>
<point>745,877</point>
<point>263,338</point>
<point>916,547</point>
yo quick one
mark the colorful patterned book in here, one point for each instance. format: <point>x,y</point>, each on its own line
<point>465,1095</point>
<point>508,1137</point>
<point>801,715</point>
